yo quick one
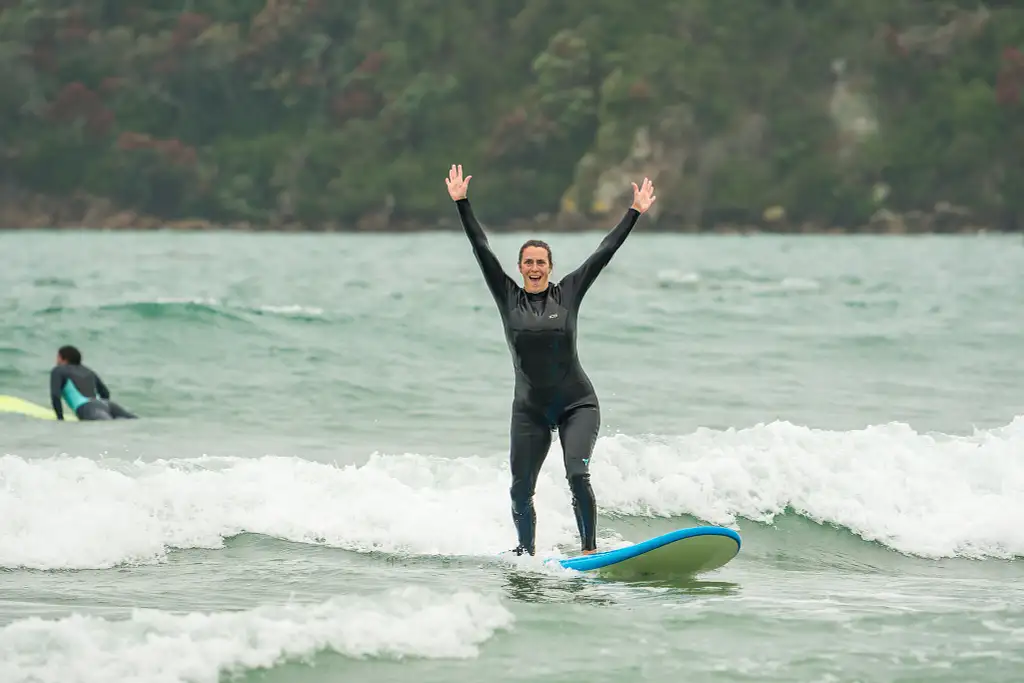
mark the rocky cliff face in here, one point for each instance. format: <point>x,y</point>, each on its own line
<point>691,162</point>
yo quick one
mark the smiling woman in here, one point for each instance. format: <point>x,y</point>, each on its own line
<point>551,389</point>
<point>535,263</point>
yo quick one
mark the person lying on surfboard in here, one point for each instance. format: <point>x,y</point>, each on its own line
<point>82,388</point>
<point>551,389</point>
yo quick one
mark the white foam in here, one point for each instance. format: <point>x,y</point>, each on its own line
<point>278,309</point>
<point>929,495</point>
<point>153,646</point>
<point>76,513</point>
<point>293,309</point>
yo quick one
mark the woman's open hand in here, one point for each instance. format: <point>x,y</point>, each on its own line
<point>643,196</point>
<point>457,187</point>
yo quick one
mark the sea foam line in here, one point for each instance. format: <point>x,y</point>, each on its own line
<point>930,495</point>
<point>153,646</point>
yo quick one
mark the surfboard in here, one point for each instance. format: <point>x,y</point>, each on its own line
<point>13,404</point>
<point>683,552</point>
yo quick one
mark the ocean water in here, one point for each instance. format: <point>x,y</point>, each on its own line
<point>317,490</point>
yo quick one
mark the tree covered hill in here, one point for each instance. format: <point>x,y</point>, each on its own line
<point>323,114</point>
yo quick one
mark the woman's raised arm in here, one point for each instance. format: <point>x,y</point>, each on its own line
<point>498,281</point>
<point>578,281</point>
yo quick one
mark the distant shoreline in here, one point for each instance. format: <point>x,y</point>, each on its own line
<point>592,226</point>
<point>498,230</point>
<point>99,215</point>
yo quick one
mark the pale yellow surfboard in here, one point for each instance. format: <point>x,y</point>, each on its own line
<point>13,404</point>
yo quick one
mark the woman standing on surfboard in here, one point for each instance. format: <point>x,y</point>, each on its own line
<point>551,389</point>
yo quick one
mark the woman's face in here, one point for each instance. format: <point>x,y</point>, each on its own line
<point>535,265</point>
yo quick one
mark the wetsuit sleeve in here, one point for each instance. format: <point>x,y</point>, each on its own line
<point>56,381</point>
<point>497,279</point>
<point>578,281</point>
<point>101,388</point>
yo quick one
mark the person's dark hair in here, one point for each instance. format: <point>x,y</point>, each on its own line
<point>536,243</point>
<point>69,353</point>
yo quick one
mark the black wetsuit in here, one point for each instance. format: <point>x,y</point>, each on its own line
<point>85,392</point>
<point>551,389</point>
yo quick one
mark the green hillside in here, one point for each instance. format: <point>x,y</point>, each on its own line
<point>323,114</point>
